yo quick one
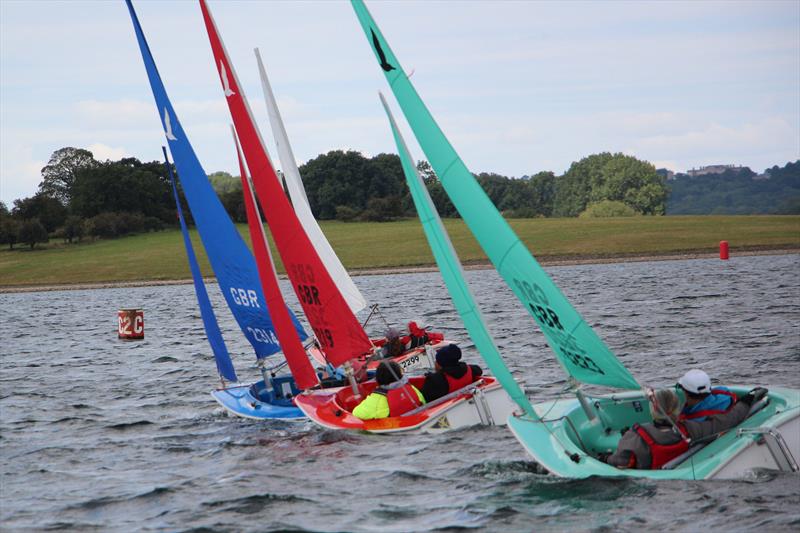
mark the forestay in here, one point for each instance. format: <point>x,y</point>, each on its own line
<point>213,334</point>
<point>578,348</point>
<point>231,260</point>
<point>453,272</point>
<point>302,209</point>
<point>335,326</point>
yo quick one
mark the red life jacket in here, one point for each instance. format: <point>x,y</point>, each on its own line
<point>401,400</point>
<point>453,384</point>
<point>661,454</point>
<point>712,412</point>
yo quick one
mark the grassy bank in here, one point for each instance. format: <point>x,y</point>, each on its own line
<point>160,256</point>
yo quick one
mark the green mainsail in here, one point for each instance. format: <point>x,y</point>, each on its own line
<point>578,348</point>
<point>453,273</point>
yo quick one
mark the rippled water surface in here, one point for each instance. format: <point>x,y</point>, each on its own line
<point>97,433</point>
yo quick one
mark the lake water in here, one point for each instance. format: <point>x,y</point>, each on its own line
<point>102,434</point>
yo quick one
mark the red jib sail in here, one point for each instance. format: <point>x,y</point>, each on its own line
<point>335,326</point>
<point>290,342</point>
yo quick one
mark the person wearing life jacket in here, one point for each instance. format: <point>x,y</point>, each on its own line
<point>702,400</point>
<point>393,346</point>
<point>393,396</point>
<point>450,375</point>
<point>651,446</point>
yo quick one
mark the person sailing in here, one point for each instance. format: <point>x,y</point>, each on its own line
<point>651,446</point>
<point>450,375</point>
<point>393,396</point>
<point>702,400</point>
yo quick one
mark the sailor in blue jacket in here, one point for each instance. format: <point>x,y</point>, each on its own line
<point>702,400</point>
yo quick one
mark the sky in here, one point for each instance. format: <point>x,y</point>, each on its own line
<point>518,87</point>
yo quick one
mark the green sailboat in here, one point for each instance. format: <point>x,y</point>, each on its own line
<point>576,431</point>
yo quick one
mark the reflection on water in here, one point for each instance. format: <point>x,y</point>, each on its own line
<point>97,433</point>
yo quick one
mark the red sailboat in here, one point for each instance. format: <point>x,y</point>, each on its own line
<point>340,337</point>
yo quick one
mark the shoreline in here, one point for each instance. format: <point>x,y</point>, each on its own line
<point>483,265</point>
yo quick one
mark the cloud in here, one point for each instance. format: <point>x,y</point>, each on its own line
<point>758,141</point>
<point>21,177</point>
<point>102,152</point>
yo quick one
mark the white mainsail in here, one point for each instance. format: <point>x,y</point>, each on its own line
<point>355,300</point>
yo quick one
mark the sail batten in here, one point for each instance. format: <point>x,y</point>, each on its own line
<point>232,262</point>
<point>335,326</point>
<point>579,350</point>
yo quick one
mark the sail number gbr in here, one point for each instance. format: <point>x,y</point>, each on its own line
<point>567,346</point>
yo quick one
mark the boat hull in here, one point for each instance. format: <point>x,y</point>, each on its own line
<point>560,443</point>
<point>242,402</point>
<point>408,360</point>
<point>488,405</point>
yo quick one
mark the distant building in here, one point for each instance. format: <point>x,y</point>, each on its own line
<point>713,169</point>
<point>665,172</point>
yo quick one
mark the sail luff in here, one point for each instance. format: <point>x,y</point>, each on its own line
<point>231,260</point>
<point>337,329</point>
<point>213,334</point>
<point>578,349</point>
<point>293,350</point>
<point>297,192</point>
<point>453,273</point>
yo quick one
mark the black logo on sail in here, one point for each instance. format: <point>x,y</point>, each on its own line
<point>384,64</point>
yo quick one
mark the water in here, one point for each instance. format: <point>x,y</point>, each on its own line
<point>102,434</point>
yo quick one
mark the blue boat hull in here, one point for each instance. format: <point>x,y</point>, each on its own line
<point>242,401</point>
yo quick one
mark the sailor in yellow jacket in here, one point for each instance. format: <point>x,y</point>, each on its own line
<point>393,396</point>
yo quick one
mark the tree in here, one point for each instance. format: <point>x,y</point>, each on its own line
<point>32,231</point>
<point>127,185</point>
<point>608,208</point>
<point>607,176</point>
<point>9,231</point>
<point>72,229</point>
<point>58,177</point>
<point>49,211</point>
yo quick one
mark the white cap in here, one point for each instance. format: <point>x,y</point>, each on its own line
<point>695,381</point>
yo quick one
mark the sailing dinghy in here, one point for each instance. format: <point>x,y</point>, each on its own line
<point>234,268</point>
<point>567,436</point>
<point>339,334</point>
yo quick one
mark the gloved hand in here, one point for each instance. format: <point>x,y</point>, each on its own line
<point>754,395</point>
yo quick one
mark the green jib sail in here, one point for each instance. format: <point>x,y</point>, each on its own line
<point>578,348</point>
<point>453,273</point>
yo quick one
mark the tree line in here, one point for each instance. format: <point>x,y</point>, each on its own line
<point>345,185</point>
<point>80,197</point>
<point>737,192</point>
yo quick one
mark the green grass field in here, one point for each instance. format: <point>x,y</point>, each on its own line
<point>361,245</point>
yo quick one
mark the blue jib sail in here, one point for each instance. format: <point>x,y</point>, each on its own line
<point>231,260</point>
<point>214,335</point>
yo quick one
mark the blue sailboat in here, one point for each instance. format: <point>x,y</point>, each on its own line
<point>234,267</point>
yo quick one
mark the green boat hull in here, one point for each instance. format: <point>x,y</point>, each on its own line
<point>566,442</point>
